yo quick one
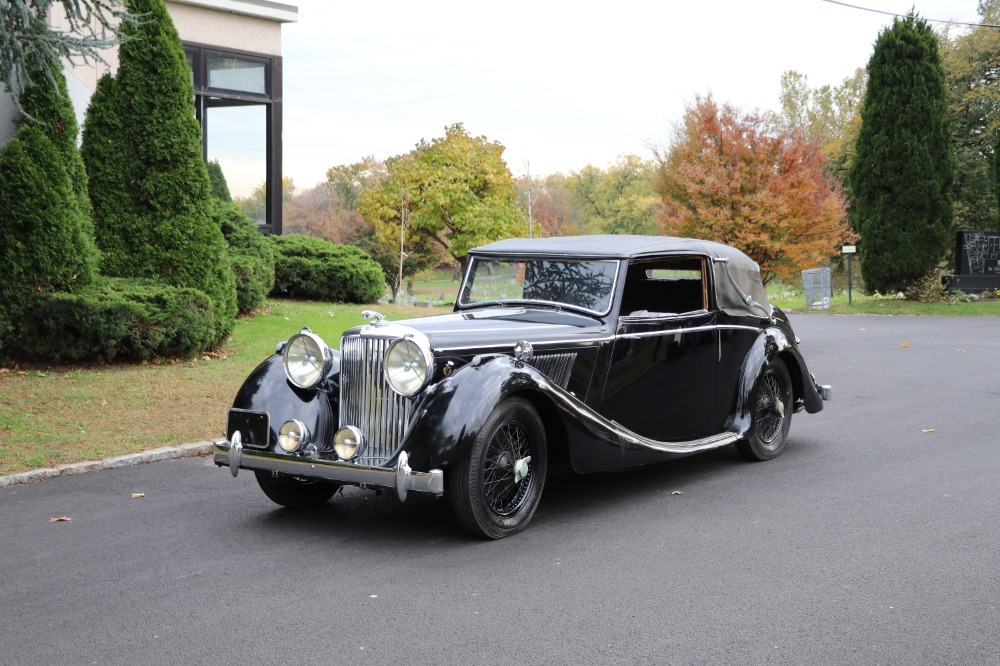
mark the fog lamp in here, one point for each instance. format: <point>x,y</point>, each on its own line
<point>292,435</point>
<point>347,442</point>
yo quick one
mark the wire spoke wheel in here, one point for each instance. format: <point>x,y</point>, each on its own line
<point>504,491</point>
<point>771,414</point>
<point>496,487</point>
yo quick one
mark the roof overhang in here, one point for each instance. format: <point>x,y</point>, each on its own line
<point>265,9</point>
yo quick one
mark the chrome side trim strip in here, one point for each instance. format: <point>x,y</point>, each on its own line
<point>400,477</point>
<point>614,432</point>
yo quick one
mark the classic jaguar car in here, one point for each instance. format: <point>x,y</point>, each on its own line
<point>591,353</point>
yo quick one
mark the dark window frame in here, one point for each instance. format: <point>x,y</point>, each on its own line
<point>271,101</point>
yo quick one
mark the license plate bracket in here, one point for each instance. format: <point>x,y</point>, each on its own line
<point>254,427</point>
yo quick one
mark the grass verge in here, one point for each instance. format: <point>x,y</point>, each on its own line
<point>52,415</point>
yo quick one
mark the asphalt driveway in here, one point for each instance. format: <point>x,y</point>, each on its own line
<point>873,539</point>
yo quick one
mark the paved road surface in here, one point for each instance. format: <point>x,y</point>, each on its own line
<point>868,541</point>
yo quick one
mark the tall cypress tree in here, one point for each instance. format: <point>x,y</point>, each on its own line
<point>904,165</point>
<point>150,188</point>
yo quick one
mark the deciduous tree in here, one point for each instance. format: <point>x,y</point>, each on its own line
<point>971,61</point>
<point>733,177</point>
<point>455,190</point>
<point>903,168</point>
<point>617,201</point>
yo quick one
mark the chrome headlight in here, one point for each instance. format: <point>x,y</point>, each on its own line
<point>307,359</point>
<point>408,365</point>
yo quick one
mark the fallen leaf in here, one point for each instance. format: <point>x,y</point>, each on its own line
<point>676,492</point>
<point>928,430</point>
<point>905,344</point>
<point>60,519</point>
<point>138,495</point>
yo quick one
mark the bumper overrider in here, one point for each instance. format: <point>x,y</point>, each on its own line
<point>233,454</point>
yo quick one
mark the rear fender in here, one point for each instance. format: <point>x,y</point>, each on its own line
<point>770,344</point>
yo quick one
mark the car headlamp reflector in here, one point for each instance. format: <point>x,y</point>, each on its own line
<point>307,359</point>
<point>408,366</point>
<point>347,442</point>
<point>292,435</point>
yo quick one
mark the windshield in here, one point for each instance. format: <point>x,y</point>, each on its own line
<point>587,285</point>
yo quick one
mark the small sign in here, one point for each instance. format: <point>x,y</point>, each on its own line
<point>849,249</point>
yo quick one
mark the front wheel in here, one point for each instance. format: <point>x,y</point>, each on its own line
<point>294,493</point>
<point>495,489</point>
<point>771,417</point>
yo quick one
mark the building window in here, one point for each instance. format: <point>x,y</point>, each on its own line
<point>237,101</point>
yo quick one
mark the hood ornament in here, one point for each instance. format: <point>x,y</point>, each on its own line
<point>378,317</point>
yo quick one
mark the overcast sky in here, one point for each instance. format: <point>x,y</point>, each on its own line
<point>560,84</point>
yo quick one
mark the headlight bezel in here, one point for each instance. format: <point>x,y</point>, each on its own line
<point>321,354</point>
<point>417,350</point>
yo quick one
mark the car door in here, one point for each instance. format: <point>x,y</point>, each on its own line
<point>662,371</point>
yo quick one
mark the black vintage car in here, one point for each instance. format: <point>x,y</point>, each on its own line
<point>592,352</point>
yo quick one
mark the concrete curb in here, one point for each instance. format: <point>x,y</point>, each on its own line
<point>163,453</point>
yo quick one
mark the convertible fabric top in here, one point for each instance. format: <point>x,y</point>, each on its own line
<point>611,247</point>
<point>742,268</point>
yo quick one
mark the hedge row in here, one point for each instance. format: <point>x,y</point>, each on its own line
<point>119,320</point>
<point>312,268</point>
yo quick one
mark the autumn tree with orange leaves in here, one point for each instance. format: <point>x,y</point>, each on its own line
<point>736,178</point>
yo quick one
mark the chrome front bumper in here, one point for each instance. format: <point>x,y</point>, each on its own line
<point>235,456</point>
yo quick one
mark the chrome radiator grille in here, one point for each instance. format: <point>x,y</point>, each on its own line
<point>368,402</point>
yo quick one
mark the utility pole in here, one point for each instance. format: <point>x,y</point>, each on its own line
<point>530,201</point>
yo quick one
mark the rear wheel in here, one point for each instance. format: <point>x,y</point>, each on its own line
<point>771,416</point>
<point>295,493</point>
<point>495,489</point>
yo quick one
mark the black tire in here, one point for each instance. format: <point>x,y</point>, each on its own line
<point>295,493</point>
<point>487,496</point>
<point>771,414</point>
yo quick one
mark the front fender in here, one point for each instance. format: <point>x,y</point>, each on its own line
<point>267,389</point>
<point>454,411</point>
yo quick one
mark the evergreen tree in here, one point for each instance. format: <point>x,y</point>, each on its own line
<point>48,105</point>
<point>45,244</point>
<point>151,192</point>
<point>904,165</point>
<point>217,179</point>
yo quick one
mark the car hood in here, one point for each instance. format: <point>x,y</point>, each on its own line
<point>500,328</point>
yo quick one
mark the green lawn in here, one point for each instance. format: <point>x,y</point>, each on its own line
<point>52,415</point>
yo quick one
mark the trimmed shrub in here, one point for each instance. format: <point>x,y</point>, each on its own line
<point>149,184</point>
<point>119,320</point>
<point>44,241</point>
<point>250,256</point>
<point>307,267</point>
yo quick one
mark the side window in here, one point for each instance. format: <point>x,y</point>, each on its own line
<point>665,287</point>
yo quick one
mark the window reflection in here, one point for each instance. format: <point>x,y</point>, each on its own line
<point>236,137</point>
<point>232,73</point>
